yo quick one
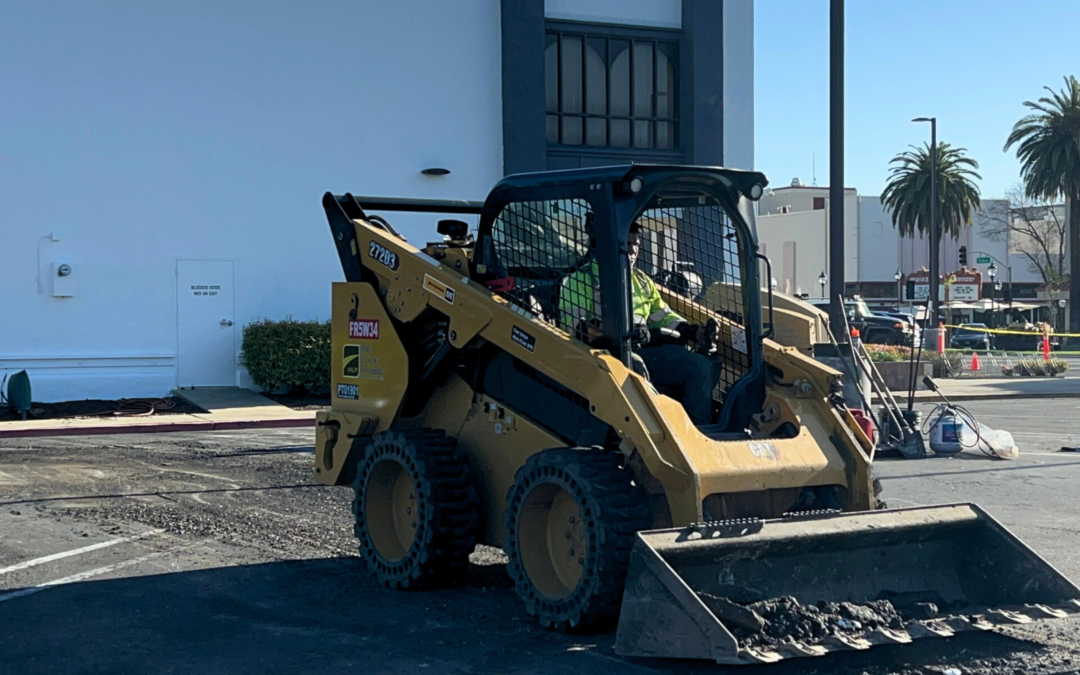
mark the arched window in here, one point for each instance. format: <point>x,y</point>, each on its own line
<point>611,89</point>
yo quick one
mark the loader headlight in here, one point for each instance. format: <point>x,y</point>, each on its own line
<point>636,184</point>
<point>756,190</point>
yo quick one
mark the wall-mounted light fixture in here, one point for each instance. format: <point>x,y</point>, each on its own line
<point>435,171</point>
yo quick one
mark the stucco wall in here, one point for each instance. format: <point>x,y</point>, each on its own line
<point>739,84</point>
<point>138,134</point>
<point>654,13</point>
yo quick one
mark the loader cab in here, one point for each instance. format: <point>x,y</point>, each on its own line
<point>698,243</point>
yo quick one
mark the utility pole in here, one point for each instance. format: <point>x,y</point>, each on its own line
<point>934,303</point>
<point>836,166</point>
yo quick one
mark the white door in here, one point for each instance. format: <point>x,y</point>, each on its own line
<point>205,335</point>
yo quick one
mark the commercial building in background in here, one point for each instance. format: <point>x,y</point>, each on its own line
<point>793,231</point>
<point>192,206</point>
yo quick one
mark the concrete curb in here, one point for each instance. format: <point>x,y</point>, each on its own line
<point>956,398</point>
<point>163,427</point>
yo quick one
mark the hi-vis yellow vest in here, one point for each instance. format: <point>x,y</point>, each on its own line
<point>579,300</point>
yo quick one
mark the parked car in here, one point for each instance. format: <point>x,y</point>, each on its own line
<point>909,319</point>
<point>873,329</point>
<point>972,336</point>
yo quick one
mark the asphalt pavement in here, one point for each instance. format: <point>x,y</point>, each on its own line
<point>215,552</point>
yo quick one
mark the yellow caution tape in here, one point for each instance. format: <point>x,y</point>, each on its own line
<point>1000,331</point>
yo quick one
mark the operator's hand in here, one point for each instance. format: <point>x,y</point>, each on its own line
<point>709,332</point>
<point>588,331</point>
<point>640,336</point>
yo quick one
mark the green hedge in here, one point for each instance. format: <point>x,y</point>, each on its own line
<point>293,355</point>
<point>889,353</point>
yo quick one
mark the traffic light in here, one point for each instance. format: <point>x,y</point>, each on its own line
<point>1008,295</point>
<point>963,256</point>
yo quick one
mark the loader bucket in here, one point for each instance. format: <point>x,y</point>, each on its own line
<point>757,591</point>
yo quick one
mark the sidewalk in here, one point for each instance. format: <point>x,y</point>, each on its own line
<point>982,389</point>
<point>234,408</point>
<point>228,408</point>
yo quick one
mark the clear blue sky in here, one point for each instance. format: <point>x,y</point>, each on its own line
<point>970,63</point>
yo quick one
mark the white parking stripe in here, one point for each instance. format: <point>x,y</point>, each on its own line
<point>81,576</point>
<point>77,551</point>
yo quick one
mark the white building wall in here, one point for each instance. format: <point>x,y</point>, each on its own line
<point>797,246</point>
<point>883,251</point>
<point>801,199</point>
<point>654,13</point>
<point>739,84</point>
<point>880,250</point>
<point>214,148</point>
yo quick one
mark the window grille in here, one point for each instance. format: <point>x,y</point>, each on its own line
<point>609,89</point>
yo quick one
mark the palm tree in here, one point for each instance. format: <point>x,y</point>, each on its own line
<point>907,194</point>
<point>1048,147</point>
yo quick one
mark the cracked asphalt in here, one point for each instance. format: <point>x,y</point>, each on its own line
<point>215,552</point>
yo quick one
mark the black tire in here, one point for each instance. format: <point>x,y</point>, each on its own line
<point>610,508</point>
<point>879,337</point>
<point>443,502</point>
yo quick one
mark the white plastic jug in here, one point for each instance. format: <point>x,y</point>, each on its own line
<point>949,434</point>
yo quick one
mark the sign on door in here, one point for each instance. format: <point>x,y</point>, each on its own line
<point>205,334</point>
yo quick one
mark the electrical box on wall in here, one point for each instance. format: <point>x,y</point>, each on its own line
<point>63,283</point>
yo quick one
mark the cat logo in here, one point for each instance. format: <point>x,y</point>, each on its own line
<point>438,288</point>
<point>352,361</point>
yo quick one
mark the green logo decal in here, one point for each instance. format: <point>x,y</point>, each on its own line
<point>352,361</point>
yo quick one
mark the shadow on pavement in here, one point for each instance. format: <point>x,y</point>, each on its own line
<point>328,616</point>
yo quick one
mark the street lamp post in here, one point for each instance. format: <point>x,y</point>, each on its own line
<point>1061,311</point>
<point>935,241</point>
<point>899,295</point>
<point>992,272</point>
<point>997,289</point>
<point>822,280</point>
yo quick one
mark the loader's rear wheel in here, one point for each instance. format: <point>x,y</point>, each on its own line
<point>570,522</point>
<point>416,510</point>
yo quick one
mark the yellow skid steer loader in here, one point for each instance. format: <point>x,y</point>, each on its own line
<point>489,389</point>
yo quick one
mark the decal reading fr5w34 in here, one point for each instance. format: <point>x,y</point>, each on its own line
<point>364,329</point>
<point>383,255</point>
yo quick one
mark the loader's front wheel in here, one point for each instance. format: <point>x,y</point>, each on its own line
<point>570,522</point>
<point>415,507</point>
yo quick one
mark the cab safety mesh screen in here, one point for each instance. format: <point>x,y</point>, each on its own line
<point>693,252</point>
<point>546,247</point>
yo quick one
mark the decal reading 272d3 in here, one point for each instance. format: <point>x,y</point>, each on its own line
<point>383,255</point>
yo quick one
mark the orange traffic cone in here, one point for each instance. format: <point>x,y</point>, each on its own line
<point>974,361</point>
<point>1046,348</point>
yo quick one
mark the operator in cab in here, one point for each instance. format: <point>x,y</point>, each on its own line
<point>667,362</point>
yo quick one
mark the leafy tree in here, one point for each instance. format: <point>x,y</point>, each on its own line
<point>1035,229</point>
<point>907,193</point>
<point>1048,146</point>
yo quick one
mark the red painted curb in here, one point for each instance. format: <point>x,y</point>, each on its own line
<point>164,427</point>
